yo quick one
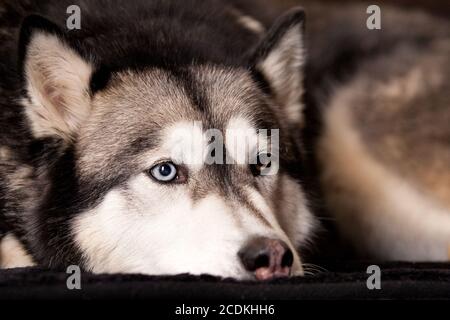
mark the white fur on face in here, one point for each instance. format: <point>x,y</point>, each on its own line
<point>154,229</point>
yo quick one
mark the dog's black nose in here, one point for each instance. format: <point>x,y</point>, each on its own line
<point>267,258</point>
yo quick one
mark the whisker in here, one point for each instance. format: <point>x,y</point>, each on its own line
<point>314,267</point>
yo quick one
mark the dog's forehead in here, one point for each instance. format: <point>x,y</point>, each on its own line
<point>131,116</point>
<point>156,98</point>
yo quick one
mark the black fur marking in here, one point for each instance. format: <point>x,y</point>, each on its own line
<point>30,25</point>
<point>262,82</point>
<point>187,80</point>
<point>100,79</point>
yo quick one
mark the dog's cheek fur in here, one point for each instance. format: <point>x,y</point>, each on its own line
<point>295,215</point>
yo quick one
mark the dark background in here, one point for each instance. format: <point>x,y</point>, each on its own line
<point>440,7</point>
<point>436,7</point>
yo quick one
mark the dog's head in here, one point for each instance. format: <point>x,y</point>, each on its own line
<point>188,169</point>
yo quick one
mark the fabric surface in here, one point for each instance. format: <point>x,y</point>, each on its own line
<point>340,281</point>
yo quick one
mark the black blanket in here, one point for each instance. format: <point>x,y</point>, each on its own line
<point>340,281</point>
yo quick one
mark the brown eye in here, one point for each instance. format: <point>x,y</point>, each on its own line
<point>262,163</point>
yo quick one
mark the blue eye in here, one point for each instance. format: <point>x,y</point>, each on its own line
<point>164,172</point>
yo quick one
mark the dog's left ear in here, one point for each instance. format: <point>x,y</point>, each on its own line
<point>280,58</point>
<point>56,77</point>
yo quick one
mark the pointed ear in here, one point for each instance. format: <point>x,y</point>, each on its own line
<point>56,79</point>
<point>280,58</point>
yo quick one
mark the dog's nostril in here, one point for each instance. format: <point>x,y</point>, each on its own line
<point>262,261</point>
<point>254,257</point>
<point>288,258</point>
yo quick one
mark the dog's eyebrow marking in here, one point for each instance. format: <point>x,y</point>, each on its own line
<point>186,143</point>
<point>241,140</point>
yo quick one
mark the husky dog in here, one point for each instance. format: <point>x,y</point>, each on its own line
<point>88,118</point>
<point>383,149</point>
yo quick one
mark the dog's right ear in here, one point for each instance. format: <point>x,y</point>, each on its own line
<point>56,78</point>
<point>279,59</point>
